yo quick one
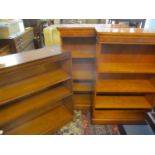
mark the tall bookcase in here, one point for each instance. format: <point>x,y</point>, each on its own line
<point>82,44</point>
<point>125,77</point>
<point>36,92</point>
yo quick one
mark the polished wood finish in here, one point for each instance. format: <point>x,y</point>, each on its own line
<point>35,85</point>
<point>27,105</point>
<point>143,68</point>
<point>118,116</point>
<point>125,67</point>
<point>81,42</point>
<point>121,102</point>
<point>31,85</point>
<point>82,101</point>
<point>46,123</point>
<point>124,86</point>
<point>82,87</point>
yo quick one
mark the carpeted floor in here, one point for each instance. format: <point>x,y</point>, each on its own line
<point>82,126</point>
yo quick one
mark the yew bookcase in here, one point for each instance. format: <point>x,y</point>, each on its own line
<point>36,92</point>
<point>81,42</point>
<point>125,77</point>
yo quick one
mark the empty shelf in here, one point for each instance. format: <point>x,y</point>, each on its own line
<point>31,85</point>
<point>144,68</point>
<point>82,86</point>
<point>118,116</point>
<point>82,101</point>
<point>124,86</point>
<point>82,75</point>
<point>83,54</point>
<point>121,102</point>
<point>31,105</point>
<point>47,123</point>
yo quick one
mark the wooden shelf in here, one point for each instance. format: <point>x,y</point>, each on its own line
<point>118,116</point>
<point>83,69</point>
<point>27,106</point>
<point>82,101</point>
<point>82,87</point>
<point>82,75</point>
<point>124,86</point>
<point>31,85</point>
<point>144,68</point>
<point>46,123</point>
<point>121,102</point>
<point>83,54</point>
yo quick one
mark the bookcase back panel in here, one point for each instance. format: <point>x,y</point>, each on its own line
<point>83,69</point>
<point>79,40</point>
<point>124,53</point>
<point>80,47</point>
<point>82,86</point>
<point>25,72</point>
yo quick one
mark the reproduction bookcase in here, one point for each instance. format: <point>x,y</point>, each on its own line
<point>81,41</point>
<point>36,91</point>
<point>125,77</point>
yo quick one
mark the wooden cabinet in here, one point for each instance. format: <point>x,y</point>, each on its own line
<point>36,91</point>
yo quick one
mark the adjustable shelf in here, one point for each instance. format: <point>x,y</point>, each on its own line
<point>36,92</point>
<point>46,123</point>
<point>83,54</point>
<point>82,75</point>
<point>82,86</point>
<point>121,102</point>
<point>137,68</point>
<point>124,86</point>
<point>82,101</point>
<point>118,116</point>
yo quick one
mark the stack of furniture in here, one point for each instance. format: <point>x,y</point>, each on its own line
<point>36,91</point>
<point>20,42</point>
<point>82,43</point>
<point>125,77</point>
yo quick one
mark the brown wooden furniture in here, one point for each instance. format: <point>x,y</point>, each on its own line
<point>125,70</point>
<point>36,91</point>
<point>81,42</point>
<point>20,42</point>
<point>80,39</point>
<point>125,76</point>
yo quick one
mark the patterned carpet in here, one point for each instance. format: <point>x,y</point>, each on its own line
<point>82,126</point>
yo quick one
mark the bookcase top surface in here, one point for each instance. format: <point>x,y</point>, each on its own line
<point>125,31</point>
<point>110,29</point>
<point>30,56</point>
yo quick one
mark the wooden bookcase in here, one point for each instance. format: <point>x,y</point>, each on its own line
<point>36,92</point>
<point>82,44</point>
<point>125,77</point>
